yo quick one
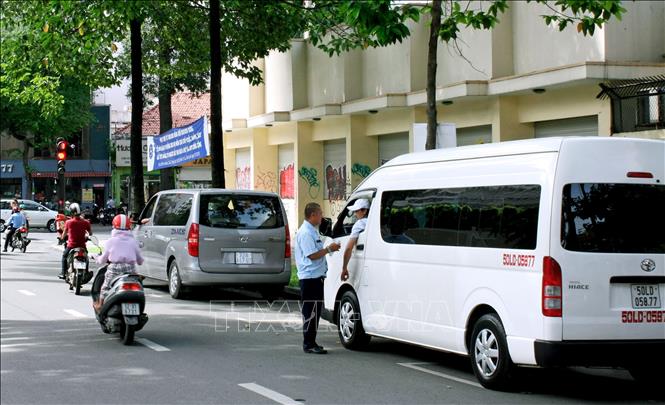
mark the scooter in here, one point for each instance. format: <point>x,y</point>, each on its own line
<point>77,268</point>
<point>123,308</point>
<point>20,239</point>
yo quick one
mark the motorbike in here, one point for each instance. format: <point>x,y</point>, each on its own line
<point>124,305</point>
<point>20,239</point>
<point>78,264</point>
<point>105,216</point>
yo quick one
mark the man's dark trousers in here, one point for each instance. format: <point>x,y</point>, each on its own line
<point>311,298</point>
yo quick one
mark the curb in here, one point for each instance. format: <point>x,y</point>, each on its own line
<point>292,292</point>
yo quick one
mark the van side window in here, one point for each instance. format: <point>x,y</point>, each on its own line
<point>147,211</point>
<point>503,217</point>
<point>173,209</point>
<point>345,222</point>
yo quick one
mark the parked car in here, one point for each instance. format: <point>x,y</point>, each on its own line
<point>547,252</point>
<point>215,237</point>
<point>38,216</point>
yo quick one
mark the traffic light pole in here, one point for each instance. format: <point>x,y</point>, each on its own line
<point>61,193</point>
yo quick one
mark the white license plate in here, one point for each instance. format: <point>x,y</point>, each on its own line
<point>645,296</point>
<point>243,258</point>
<point>79,265</point>
<point>130,309</point>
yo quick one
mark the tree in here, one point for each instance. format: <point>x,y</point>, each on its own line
<point>341,25</point>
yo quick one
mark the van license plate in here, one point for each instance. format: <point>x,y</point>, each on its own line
<point>645,295</point>
<point>130,309</point>
<point>243,258</point>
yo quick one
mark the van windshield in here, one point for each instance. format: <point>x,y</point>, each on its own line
<point>613,218</point>
<point>240,211</point>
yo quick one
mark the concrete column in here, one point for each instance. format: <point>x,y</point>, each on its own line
<point>264,162</point>
<point>362,152</point>
<point>309,170</point>
<point>505,121</point>
<point>605,118</point>
<point>257,100</point>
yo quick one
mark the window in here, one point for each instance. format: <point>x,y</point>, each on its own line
<point>27,206</point>
<point>345,222</point>
<point>613,218</point>
<point>147,211</point>
<point>503,217</point>
<point>240,211</point>
<point>173,210</point>
<point>4,205</point>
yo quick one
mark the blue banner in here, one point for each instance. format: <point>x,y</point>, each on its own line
<point>178,146</point>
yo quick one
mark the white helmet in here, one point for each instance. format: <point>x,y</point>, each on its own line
<point>74,208</point>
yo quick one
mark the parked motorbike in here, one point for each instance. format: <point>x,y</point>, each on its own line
<point>78,264</point>
<point>124,304</point>
<point>20,239</point>
<point>105,216</point>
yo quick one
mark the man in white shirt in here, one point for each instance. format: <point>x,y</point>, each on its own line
<point>360,209</point>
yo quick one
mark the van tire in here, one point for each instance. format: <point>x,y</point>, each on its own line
<point>349,323</point>
<point>488,349</point>
<point>176,289</point>
<point>646,375</point>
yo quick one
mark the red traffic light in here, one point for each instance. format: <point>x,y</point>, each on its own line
<point>62,150</point>
<point>62,155</point>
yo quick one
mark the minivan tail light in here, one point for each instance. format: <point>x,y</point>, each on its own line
<point>287,249</point>
<point>640,175</point>
<point>193,240</point>
<point>552,288</point>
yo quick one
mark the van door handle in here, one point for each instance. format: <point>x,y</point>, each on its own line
<point>360,247</point>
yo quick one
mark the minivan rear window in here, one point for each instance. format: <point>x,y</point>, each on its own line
<point>613,218</point>
<point>240,211</point>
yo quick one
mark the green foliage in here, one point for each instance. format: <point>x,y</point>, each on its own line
<point>588,14</point>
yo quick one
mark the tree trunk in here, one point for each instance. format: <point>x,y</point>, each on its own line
<point>431,74</point>
<point>27,170</point>
<point>166,176</point>
<point>135,146</point>
<point>216,140</point>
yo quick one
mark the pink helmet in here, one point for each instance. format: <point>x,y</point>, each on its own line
<point>122,222</point>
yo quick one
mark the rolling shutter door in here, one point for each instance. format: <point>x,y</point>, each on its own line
<point>578,126</point>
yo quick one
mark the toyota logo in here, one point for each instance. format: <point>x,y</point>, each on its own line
<point>648,265</point>
<point>244,239</point>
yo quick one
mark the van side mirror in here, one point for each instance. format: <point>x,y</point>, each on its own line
<point>326,227</point>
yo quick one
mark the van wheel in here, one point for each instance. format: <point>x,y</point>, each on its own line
<point>488,350</point>
<point>349,323</point>
<point>175,282</point>
<point>646,375</point>
<point>51,226</point>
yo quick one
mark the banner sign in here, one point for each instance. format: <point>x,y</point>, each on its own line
<point>178,145</point>
<point>122,156</point>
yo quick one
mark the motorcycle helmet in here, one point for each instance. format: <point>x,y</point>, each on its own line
<point>121,222</point>
<point>74,209</point>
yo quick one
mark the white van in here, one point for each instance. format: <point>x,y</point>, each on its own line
<point>539,253</point>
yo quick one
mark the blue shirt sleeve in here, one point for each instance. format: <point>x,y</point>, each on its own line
<point>358,228</point>
<point>306,243</point>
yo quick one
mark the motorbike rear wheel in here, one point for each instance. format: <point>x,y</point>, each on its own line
<point>77,283</point>
<point>127,334</point>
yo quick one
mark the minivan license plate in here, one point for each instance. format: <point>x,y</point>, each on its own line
<point>243,258</point>
<point>645,295</point>
<point>130,309</point>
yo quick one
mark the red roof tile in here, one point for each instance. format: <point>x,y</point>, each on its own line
<point>185,109</point>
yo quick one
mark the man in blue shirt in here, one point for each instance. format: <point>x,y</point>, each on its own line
<point>312,268</point>
<point>16,221</point>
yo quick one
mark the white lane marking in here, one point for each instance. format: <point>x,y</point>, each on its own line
<point>270,394</point>
<point>75,314</point>
<point>416,366</point>
<point>156,295</point>
<point>28,293</point>
<point>152,345</point>
<point>4,339</point>
<point>75,330</point>
<point>18,332</point>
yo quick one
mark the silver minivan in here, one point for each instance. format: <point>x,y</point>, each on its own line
<point>215,237</point>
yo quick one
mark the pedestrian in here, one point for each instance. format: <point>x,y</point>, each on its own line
<point>360,209</point>
<point>312,268</point>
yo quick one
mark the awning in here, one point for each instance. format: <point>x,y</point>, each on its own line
<point>622,89</point>
<point>70,174</point>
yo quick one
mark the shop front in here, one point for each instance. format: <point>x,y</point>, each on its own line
<point>195,174</point>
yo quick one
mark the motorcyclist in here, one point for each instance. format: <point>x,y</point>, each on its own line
<point>122,252</point>
<point>76,231</point>
<point>15,222</point>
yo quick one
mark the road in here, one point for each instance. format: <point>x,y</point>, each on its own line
<point>221,346</point>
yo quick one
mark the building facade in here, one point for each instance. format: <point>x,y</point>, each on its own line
<point>87,174</point>
<point>319,125</point>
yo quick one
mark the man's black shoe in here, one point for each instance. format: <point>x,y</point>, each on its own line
<point>61,276</point>
<point>316,350</point>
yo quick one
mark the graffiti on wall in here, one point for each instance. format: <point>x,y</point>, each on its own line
<point>244,178</point>
<point>266,180</point>
<point>310,175</point>
<point>286,181</point>
<point>361,170</point>
<point>335,182</point>
<point>336,207</point>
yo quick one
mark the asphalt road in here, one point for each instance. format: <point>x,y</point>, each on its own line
<point>223,347</point>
